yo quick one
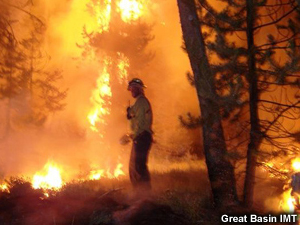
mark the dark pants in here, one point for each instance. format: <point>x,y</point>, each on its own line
<point>138,169</point>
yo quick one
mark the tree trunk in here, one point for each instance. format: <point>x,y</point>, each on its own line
<point>220,170</point>
<point>255,137</point>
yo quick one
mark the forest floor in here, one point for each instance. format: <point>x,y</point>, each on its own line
<point>178,197</point>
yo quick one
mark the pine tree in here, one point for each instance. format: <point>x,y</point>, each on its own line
<point>220,170</point>
<point>28,91</point>
<point>117,39</point>
<point>249,63</point>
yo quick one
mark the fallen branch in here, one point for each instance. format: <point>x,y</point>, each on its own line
<point>111,191</point>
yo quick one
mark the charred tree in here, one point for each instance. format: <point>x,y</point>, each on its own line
<point>255,136</point>
<point>220,170</point>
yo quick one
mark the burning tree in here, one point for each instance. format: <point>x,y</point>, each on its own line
<point>119,44</point>
<point>254,73</point>
<point>28,91</point>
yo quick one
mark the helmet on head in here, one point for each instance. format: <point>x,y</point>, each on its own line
<point>136,82</point>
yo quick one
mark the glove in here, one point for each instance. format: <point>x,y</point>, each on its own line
<point>125,139</point>
<point>128,113</point>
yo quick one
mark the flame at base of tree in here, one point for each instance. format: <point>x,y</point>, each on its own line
<point>98,174</point>
<point>101,96</point>
<point>287,204</point>
<point>50,178</point>
<point>290,202</point>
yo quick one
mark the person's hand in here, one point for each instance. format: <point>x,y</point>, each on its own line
<point>125,139</point>
<point>128,113</point>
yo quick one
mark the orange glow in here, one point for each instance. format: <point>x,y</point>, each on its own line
<point>130,10</point>
<point>123,65</point>
<point>296,165</point>
<point>103,14</point>
<point>287,203</point>
<point>50,178</point>
<point>98,174</point>
<point>100,98</point>
<point>4,187</point>
<point>118,171</point>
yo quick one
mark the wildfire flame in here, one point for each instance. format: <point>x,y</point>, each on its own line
<point>123,65</point>
<point>130,10</point>
<point>98,174</point>
<point>100,98</point>
<point>51,179</point>
<point>296,165</point>
<point>4,187</point>
<point>288,202</point>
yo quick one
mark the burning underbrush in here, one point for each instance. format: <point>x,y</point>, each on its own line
<point>180,195</point>
<point>177,198</point>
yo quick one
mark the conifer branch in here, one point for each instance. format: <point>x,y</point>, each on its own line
<point>279,115</point>
<point>210,10</point>
<point>28,13</point>
<point>278,20</point>
<point>278,48</point>
<point>279,4</point>
<point>279,41</point>
<point>280,104</point>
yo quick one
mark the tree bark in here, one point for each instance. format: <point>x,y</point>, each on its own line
<point>255,137</point>
<point>220,170</point>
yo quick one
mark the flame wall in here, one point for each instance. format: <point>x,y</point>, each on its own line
<point>66,137</point>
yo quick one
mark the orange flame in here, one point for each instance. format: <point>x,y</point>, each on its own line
<point>4,187</point>
<point>100,98</point>
<point>296,165</point>
<point>103,14</point>
<point>123,65</point>
<point>51,179</point>
<point>102,94</point>
<point>287,204</point>
<point>130,10</point>
<point>98,174</point>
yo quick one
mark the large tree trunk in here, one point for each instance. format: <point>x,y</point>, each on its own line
<point>220,170</point>
<point>255,137</point>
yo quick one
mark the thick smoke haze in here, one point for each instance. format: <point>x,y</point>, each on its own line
<point>66,137</point>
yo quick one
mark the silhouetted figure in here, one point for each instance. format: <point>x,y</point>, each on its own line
<point>140,116</point>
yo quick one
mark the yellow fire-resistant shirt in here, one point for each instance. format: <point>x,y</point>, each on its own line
<point>141,113</point>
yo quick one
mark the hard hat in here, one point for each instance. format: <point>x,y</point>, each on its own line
<point>136,81</point>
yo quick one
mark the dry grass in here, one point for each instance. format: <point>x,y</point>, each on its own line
<point>185,192</point>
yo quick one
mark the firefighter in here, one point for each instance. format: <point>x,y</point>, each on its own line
<point>140,116</point>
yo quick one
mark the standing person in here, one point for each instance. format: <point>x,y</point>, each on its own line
<point>140,116</point>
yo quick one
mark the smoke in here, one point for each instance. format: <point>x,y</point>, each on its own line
<point>66,137</point>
